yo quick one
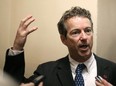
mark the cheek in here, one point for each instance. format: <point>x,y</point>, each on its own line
<point>73,41</point>
<point>91,40</point>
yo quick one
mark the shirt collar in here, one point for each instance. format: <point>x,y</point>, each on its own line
<point>87,63</point>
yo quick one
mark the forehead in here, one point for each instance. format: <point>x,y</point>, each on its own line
<point>77,22</point>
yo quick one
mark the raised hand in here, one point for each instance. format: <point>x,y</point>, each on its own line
<point>22,32</point>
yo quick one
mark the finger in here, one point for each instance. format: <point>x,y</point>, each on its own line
<point>28,22</point>
<point>31,30</point>
<point>98,83</point>
<point>25,19</point>
<point>106,83</point>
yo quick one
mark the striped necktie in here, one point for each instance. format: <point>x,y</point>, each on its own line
<point>79,81</point>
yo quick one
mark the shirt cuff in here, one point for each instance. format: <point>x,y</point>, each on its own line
<point>14,52</point>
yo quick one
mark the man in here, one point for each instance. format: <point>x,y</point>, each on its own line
<point>76,32</point>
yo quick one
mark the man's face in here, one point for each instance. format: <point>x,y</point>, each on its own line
<point>79,39</point>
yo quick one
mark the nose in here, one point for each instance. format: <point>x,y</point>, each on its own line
<point>83,36</point>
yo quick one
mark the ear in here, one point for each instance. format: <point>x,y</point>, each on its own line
<point>63,39</point>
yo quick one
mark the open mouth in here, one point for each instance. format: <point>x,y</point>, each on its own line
<point>84,46</point>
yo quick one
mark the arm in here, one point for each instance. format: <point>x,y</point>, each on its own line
<point>15,65</point>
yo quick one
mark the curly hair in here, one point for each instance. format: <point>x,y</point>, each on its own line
<point>74,11</point>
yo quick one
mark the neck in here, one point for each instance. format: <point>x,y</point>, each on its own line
<point>79,58</point>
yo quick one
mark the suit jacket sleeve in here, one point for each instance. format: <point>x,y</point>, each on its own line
<point>15,66</point>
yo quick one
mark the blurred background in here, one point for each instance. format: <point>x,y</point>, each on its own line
<point>44,44</point>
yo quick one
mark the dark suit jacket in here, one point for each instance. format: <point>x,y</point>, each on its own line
<point>57,73</point>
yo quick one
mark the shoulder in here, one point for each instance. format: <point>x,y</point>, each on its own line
<point>52,65</point>
<point>104,61</point>
<point>55,63</point>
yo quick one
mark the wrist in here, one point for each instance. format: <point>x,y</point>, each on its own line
<point>17,48</point>
<point>14,52</point>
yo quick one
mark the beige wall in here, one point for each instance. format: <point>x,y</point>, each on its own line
<point>106,29</point>
<point>5,23</point>
<point>44,44</point>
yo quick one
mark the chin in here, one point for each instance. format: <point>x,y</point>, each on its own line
<point>85,55</point>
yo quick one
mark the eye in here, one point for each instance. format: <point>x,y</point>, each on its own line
<point>88,31</point>
<point>75,32</point>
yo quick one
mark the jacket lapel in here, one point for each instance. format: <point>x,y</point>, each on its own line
<point>64,73</point>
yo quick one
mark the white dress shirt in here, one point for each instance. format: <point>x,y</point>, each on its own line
<point>89,73</point>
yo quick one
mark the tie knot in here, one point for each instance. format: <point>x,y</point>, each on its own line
<point>80,68</point>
